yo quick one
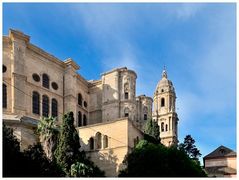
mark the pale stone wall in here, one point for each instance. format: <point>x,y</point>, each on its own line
<point>226,161</point>
<point>38,64</point>
<point>82,88</point>
<point>121,134</point>
<point>144,107</point>
<point>7,75</point>
<point>22,60</point>
<point>110,96</point>
<point>127,84</point>
<point>95,102</point>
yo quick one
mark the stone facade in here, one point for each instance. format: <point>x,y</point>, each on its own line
<point>30,73</point>
<point>164,111</point>
<point>108,143</point>
<point>222,162</point>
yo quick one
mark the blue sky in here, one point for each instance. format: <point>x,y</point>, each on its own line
<point>196,42</point>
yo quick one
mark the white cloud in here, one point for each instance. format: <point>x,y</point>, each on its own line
<point>187,10</point>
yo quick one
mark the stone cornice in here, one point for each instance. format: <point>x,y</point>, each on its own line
<point>144,97</point>
<point>84,81</point>
<point>46,55</point>
<point>18,34</point>
<point>94,83</point>
<point>71,62</point>
<point>122,69</point>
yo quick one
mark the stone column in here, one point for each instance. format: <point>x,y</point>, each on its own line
<point>18,80</point>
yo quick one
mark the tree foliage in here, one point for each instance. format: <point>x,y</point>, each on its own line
<point>30,163</point>
<point>80,169</point>
<point>68,160</point>
<point>156,160</point>
<point>68,155</point>
<point>68,148</point>
<point>39,165</point>
<point>189,147</point>
<point>152,131</point>
<point>48,132</point>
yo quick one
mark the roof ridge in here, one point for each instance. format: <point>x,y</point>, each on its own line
<point>221,151</point>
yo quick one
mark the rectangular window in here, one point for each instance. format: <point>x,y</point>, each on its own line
<point>4,95</point>
<point>126,95</point>
<point>145,117</point>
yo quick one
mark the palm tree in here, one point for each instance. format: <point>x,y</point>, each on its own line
<point>47,130</point>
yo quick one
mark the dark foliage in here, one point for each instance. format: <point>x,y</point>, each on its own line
<point>30,163</point>
<point>11,154</point>
<point>39,165</point>
<point>189,147</point>
<point>151,132</point>
<point>68,146</point>
<point>156,160</point>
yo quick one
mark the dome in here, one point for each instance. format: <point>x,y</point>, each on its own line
<point>164,83</point>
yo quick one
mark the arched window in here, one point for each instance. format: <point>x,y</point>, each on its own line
<point>145,113</point>
<point>91,141</point>
<point>54,108</point>
<point>126,91</point>
<point>84,120</point>
<point>166,127</point>
<point>126,112</point>
<point>35,103</point>
<point>4,68</point>
<point>105,141</point>
<point>79,119</point>
<point>45,106</point>
<point>4,96</point>
<point>98,140</point>
<point>80,99</point>
<point>162,102</point>
<point>162,127</point>
<point>45,81</point>
<point>85,104</point>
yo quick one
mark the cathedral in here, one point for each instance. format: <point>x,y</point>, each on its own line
<point>109,117</point>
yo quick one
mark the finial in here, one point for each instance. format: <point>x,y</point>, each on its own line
<point>164,74</point>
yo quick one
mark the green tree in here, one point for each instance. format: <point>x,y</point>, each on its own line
<point>39,165</point>
<point>33,162</point>
<point>156,160</point>
<point>149,127</point>
<point>155,132</point>
<point>68,155</point>
<point>81,170</point>
<point>68,148</point>
<point>152,131</point>
<point>48,132</point>
<point>189,147</point>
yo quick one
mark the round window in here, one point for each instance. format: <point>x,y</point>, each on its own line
<point>54,85</point>
<point>4,68</point>
<point>36,77</point>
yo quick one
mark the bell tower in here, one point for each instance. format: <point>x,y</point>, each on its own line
<point>164,111</point>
